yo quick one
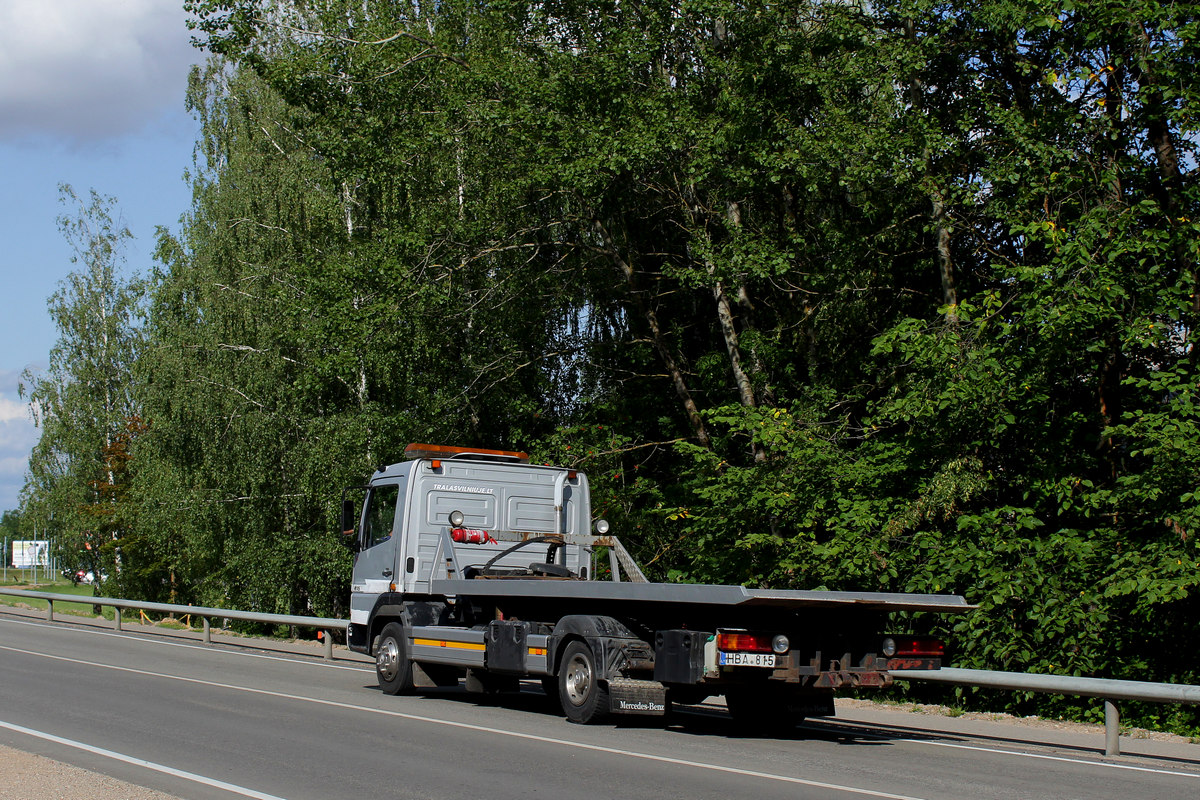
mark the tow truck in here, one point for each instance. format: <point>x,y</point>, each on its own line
<point>476,566</point>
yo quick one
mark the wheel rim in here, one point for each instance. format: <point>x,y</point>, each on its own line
<point>387,660</point>
<point>579,679</point>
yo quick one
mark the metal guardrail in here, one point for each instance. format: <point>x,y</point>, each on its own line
<point>206,613</point>
<point>1109,690</point>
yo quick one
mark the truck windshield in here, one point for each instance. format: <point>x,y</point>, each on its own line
<point>381,513</point>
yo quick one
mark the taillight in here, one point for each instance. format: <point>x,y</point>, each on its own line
<point>913,647</point>
<point>743,642</point>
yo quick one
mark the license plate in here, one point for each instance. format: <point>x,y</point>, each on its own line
<point>747,659</point>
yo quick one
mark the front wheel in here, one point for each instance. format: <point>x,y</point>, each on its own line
<point>393,668</point>
<point>583,699</point>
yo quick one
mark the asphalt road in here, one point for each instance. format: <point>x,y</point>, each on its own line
<point>217,722</point>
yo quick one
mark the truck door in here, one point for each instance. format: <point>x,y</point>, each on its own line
<point>375,565</point>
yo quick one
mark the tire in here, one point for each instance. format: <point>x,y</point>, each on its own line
<point>584,700</point>
<point>761,712</point>
<point>393,667</point>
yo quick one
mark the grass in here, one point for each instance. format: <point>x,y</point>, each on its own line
<point>24,578</point>
<point>60,586</point>
<point>85,609</point>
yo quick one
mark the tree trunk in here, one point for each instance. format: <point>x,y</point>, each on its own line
<point>945,261</point>
<point>941,220</point>
<point>1166,155</point>
<point>729,333</point>
<point>656,335</point>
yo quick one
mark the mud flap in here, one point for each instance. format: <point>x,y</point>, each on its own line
<point>628,696</point>
<point>811,704</point>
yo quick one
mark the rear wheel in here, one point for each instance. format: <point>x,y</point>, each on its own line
<point>757,710</point>
<point>583,699</point>
<point>393,667</point>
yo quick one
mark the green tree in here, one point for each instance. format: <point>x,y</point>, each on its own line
<point>896,295</point>
<point>10,530</point>
<point>85,400</point>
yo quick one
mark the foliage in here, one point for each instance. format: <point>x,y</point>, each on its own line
<point>10,524</point>
<point>85,402</point>
<point>11,530</point>
<point>895,296</point>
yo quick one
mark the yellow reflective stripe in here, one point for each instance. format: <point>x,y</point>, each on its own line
<point>444,643</point>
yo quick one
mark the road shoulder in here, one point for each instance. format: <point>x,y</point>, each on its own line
<point>25,776</point>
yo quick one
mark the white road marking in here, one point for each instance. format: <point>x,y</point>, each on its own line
<point>481,728</point>
<point>1003,752</point>
<point>140,762</point>
<point>205,647</point>
<point>998,751</point>
<point>1053,758</point>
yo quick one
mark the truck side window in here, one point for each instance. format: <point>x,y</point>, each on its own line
<point>381,513</point>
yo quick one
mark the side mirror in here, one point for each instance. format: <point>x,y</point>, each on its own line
<point>349,518</point>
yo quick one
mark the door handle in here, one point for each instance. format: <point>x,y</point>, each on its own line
<point>387,573</point>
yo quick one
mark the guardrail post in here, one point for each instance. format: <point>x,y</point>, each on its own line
<point>207,635</point>
<point>116,618</point>
<point>50,611</point>
<point>1112,729</point>
<point>329,645</point>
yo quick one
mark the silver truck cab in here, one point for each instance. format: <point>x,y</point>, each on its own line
<point>517,519</point>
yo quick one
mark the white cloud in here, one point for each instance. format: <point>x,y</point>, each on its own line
<point>90,69</point>
<point>12,467</point>
<point>13,464</point>
<point>12,410</point>
<point>17,438</point>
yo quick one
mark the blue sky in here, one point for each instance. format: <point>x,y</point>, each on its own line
<point>91,94</point>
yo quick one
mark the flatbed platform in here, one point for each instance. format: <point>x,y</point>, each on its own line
<point>699,594</point>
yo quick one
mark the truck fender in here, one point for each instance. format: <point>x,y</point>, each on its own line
<point>409,613</point>
<point>612,643</point>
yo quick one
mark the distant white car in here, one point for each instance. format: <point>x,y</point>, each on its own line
<point>80,576</point>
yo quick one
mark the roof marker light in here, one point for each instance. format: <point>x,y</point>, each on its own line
<point>445,451</point>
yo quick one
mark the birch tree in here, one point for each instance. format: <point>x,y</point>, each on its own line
<point>85,402</point>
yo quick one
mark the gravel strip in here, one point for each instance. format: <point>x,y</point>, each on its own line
<point>24,776</point>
